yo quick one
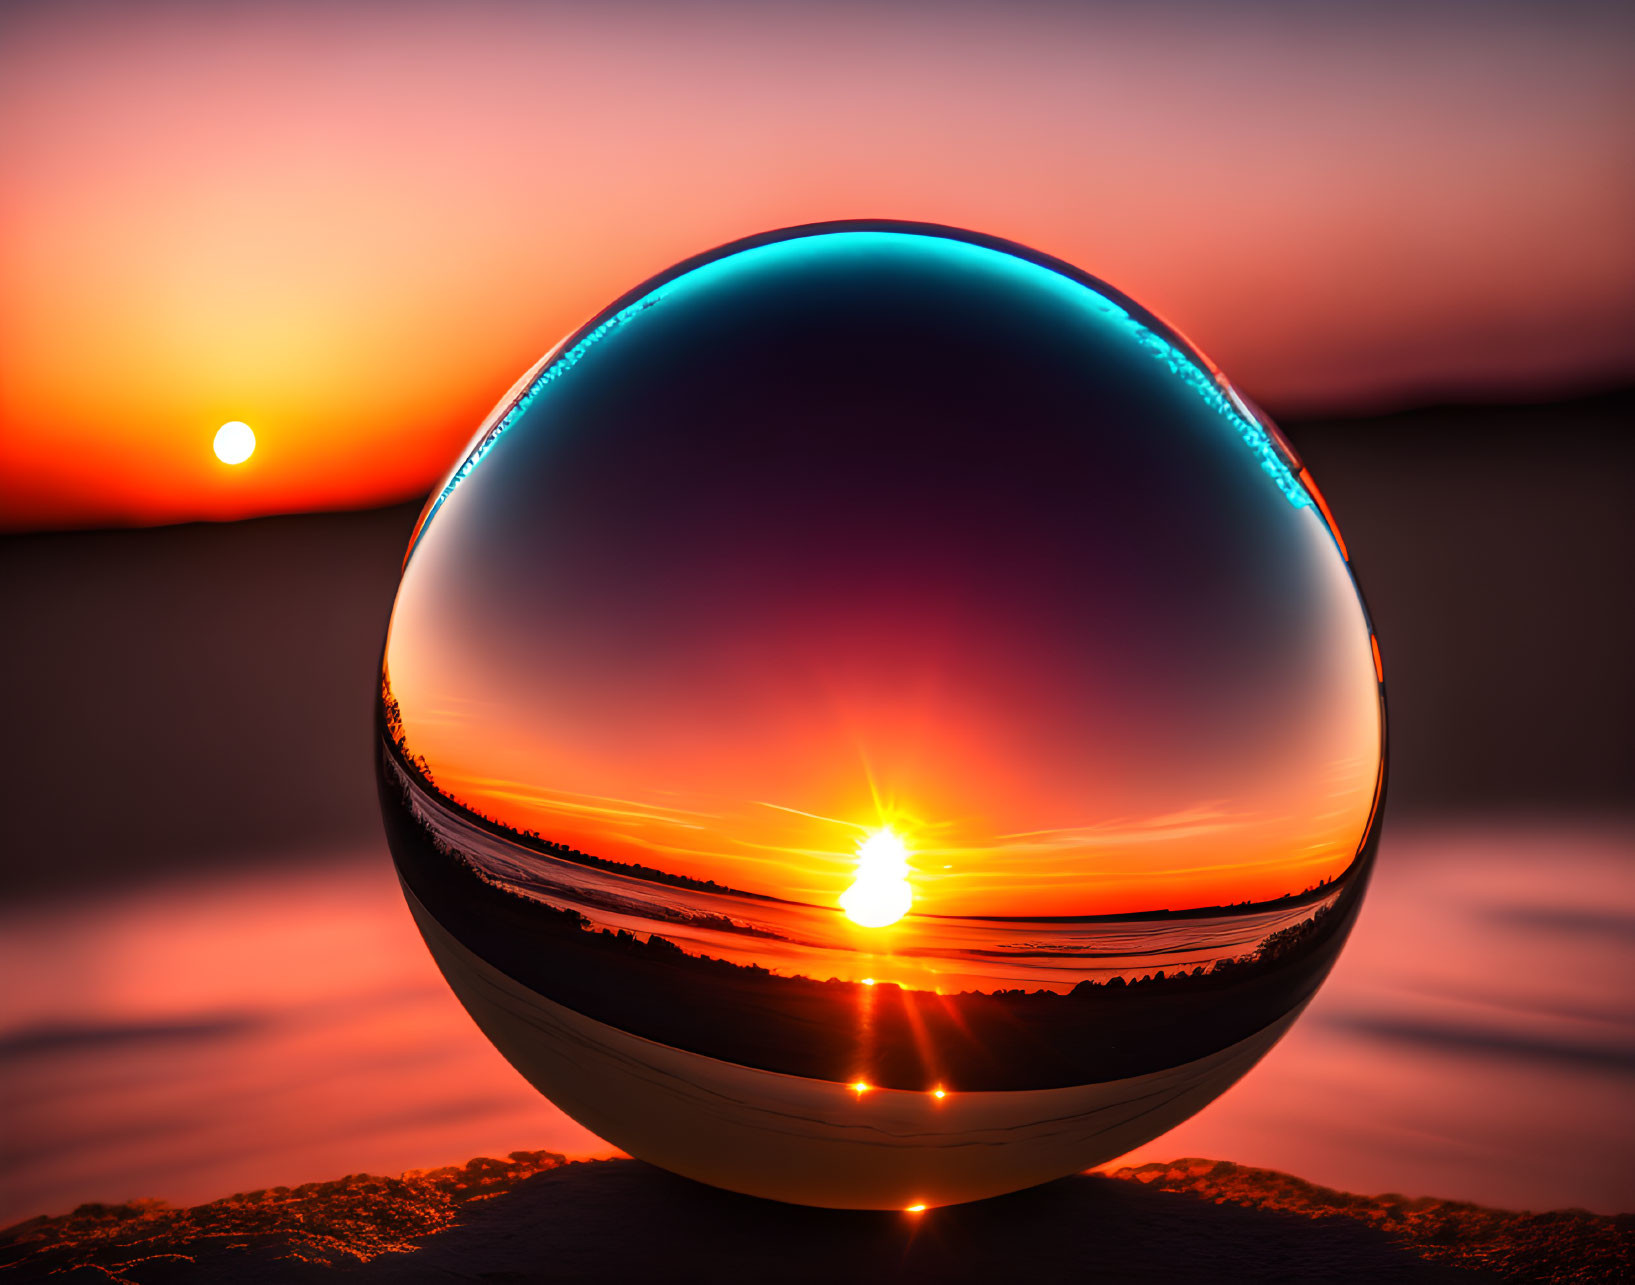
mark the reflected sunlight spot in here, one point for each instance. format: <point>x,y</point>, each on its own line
<point>880,895</point>
<point>939,1092</point>
<point>860,1088</point>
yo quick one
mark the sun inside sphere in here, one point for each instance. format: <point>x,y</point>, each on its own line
<point>875,719</point>
<point>881,894</point>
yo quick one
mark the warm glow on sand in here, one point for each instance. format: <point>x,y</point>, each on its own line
<point>235,442</point>
<point>880,895</point>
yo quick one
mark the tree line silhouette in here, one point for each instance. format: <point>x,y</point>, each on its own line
<point>530,838</point>
<point>392,716</point>
<point>894,1036</point>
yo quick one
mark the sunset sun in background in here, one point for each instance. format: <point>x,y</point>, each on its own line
<point>234,442</point>
<point>365,233</point>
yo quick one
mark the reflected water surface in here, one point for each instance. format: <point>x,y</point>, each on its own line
<point>284,1024</point>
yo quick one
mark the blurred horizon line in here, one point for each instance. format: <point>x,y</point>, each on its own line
<point>1608,395</point>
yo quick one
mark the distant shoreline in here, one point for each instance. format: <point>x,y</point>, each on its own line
<point>534,842</point>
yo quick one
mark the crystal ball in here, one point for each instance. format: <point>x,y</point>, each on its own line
<point>874,719</point>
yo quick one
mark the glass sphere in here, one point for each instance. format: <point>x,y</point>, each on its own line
<point>875,720</point>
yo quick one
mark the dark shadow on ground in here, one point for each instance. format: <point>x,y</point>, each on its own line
<point>624,1221</point>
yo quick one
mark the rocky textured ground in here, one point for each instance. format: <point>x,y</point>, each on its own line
<point>537,1217</point>
<point>1564,1245</point>
<point>319,1224</point>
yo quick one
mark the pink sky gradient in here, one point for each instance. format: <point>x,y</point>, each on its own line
<point>353,226</point>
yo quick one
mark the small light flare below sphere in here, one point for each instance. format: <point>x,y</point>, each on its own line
<point>235,442</point>
<point>880,895</point>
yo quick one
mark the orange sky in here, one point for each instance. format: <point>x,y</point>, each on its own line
<point>352,227</point>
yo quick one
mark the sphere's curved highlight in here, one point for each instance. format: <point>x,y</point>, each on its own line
<point>875,719</point>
